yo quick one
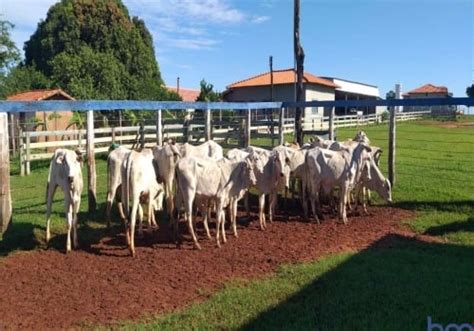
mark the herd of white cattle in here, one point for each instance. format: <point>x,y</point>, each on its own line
<point>200,179</point>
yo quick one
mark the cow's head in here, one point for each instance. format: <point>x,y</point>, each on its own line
<point>281,165</point>
<point>361,136</point>
<point>384,189</point>
<point>249,171</point>
<point>71,163</point>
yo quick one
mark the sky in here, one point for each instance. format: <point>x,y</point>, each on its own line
<point>378,42</point>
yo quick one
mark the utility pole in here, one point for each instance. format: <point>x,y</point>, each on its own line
<point>271,99</point>
<point>299,59</point>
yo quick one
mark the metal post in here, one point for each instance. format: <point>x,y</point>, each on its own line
<point>331,124</point>
<point>113,135</point>
<point>391,146</point>
<point>28,140</point>
<point>159,128</point>
<point>5,195</point>
<point>248,127</point>
<point>208,128</point>
<point>281,128</point>
<point>91,174</point>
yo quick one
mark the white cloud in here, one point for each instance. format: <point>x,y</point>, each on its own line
<point>180,24</point>
<point>260,19</point>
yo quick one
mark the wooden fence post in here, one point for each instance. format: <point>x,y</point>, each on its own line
<point>91,174</point>
<point>159,128</point>
<point>5,195</point>
<point>281,127</point>
<point>331,124</point>
<point>141,132</point>
<point>391,146</point>
<point>22,155</point>
<point>13,134</point>
<point>28,140</point>
<point>208,128</point>
<point>113,135</point>
<point>248,128</point>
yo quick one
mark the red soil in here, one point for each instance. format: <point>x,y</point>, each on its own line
<point>47,289</point>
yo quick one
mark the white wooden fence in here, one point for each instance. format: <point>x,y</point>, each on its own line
<point>40,145</point>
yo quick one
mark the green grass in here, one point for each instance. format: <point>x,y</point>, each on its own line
<point>391,286</point>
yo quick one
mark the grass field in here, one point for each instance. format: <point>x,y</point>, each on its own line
<point>388,287</point>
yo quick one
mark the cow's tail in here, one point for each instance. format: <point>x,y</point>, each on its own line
<point>109,178</point>
<point>49,176</point>
<point>127,185</point>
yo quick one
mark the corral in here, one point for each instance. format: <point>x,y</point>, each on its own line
<point>383,271</point>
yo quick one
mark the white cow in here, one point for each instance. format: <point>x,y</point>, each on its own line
<point>205,179</point>
<point>114,179</point>
<point>209,149</point>
<point>273,173</point>
<point>139,185</point>
<point>165,159</point>
<point>374,181</point>
<point>65,172</point>
<point>327,169</point>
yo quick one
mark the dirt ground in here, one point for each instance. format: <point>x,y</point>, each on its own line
<point>101,283</point>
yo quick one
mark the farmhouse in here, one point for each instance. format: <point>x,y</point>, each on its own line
<point>429,91</point>
<point>258,88</point>
<point>47,121</point>
<point>186,94</point>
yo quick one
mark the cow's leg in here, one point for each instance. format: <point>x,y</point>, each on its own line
<point>273,199</point>
<point>77,205</point>
<point>207,217</point>
<point>189,213</point>
<point>110,201</point>
<point>303,200</point>
<point>140,220</point>
<point>224,237</point>
<point>233,216</point>
<point>151,216</point>
<point>51,189</point>
<point>261,211</point>
<point>343,196</point>
<point>246,203</point>
<point>133,218</point>
<point>69,217</point>
<point>365,192</point>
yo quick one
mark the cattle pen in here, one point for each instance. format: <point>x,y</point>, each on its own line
<point>372,258</point>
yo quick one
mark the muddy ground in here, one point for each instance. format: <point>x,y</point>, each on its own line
<point>100,283</point>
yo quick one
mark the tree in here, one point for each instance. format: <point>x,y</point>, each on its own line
<point>9,53</point>
<point>93,49</point>
<point>23,78</point>
<point>207,93</point>
<point>470,91</point>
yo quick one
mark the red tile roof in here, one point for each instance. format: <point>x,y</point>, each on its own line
<point>188,95</point>
<point>280,77</point>
<point>38,95</point>
<point>428,88</point>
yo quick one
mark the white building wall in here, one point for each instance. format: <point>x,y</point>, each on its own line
<point>317,93</point>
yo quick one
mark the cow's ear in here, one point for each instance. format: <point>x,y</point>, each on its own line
<point>311,139</point>
<point>60,158</point>
<point>79,155</point>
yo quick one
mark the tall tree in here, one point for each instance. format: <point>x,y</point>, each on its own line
<point>9,53</point>
<point>299,58</point>
<point>94,49</point>
<point>470,91</point>
<point>207,93</point>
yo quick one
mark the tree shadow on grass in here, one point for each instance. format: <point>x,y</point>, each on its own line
<point>460,226</point>
<point>393,285</point>
<point>451,206</point>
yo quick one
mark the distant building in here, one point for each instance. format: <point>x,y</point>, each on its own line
<point>257,88</point>
<point>186,94</point>
<point>44,120</point>
<point>350,90</point>
<point>429,91</point>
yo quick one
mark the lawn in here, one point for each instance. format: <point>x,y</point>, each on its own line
<point>394,285</point>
